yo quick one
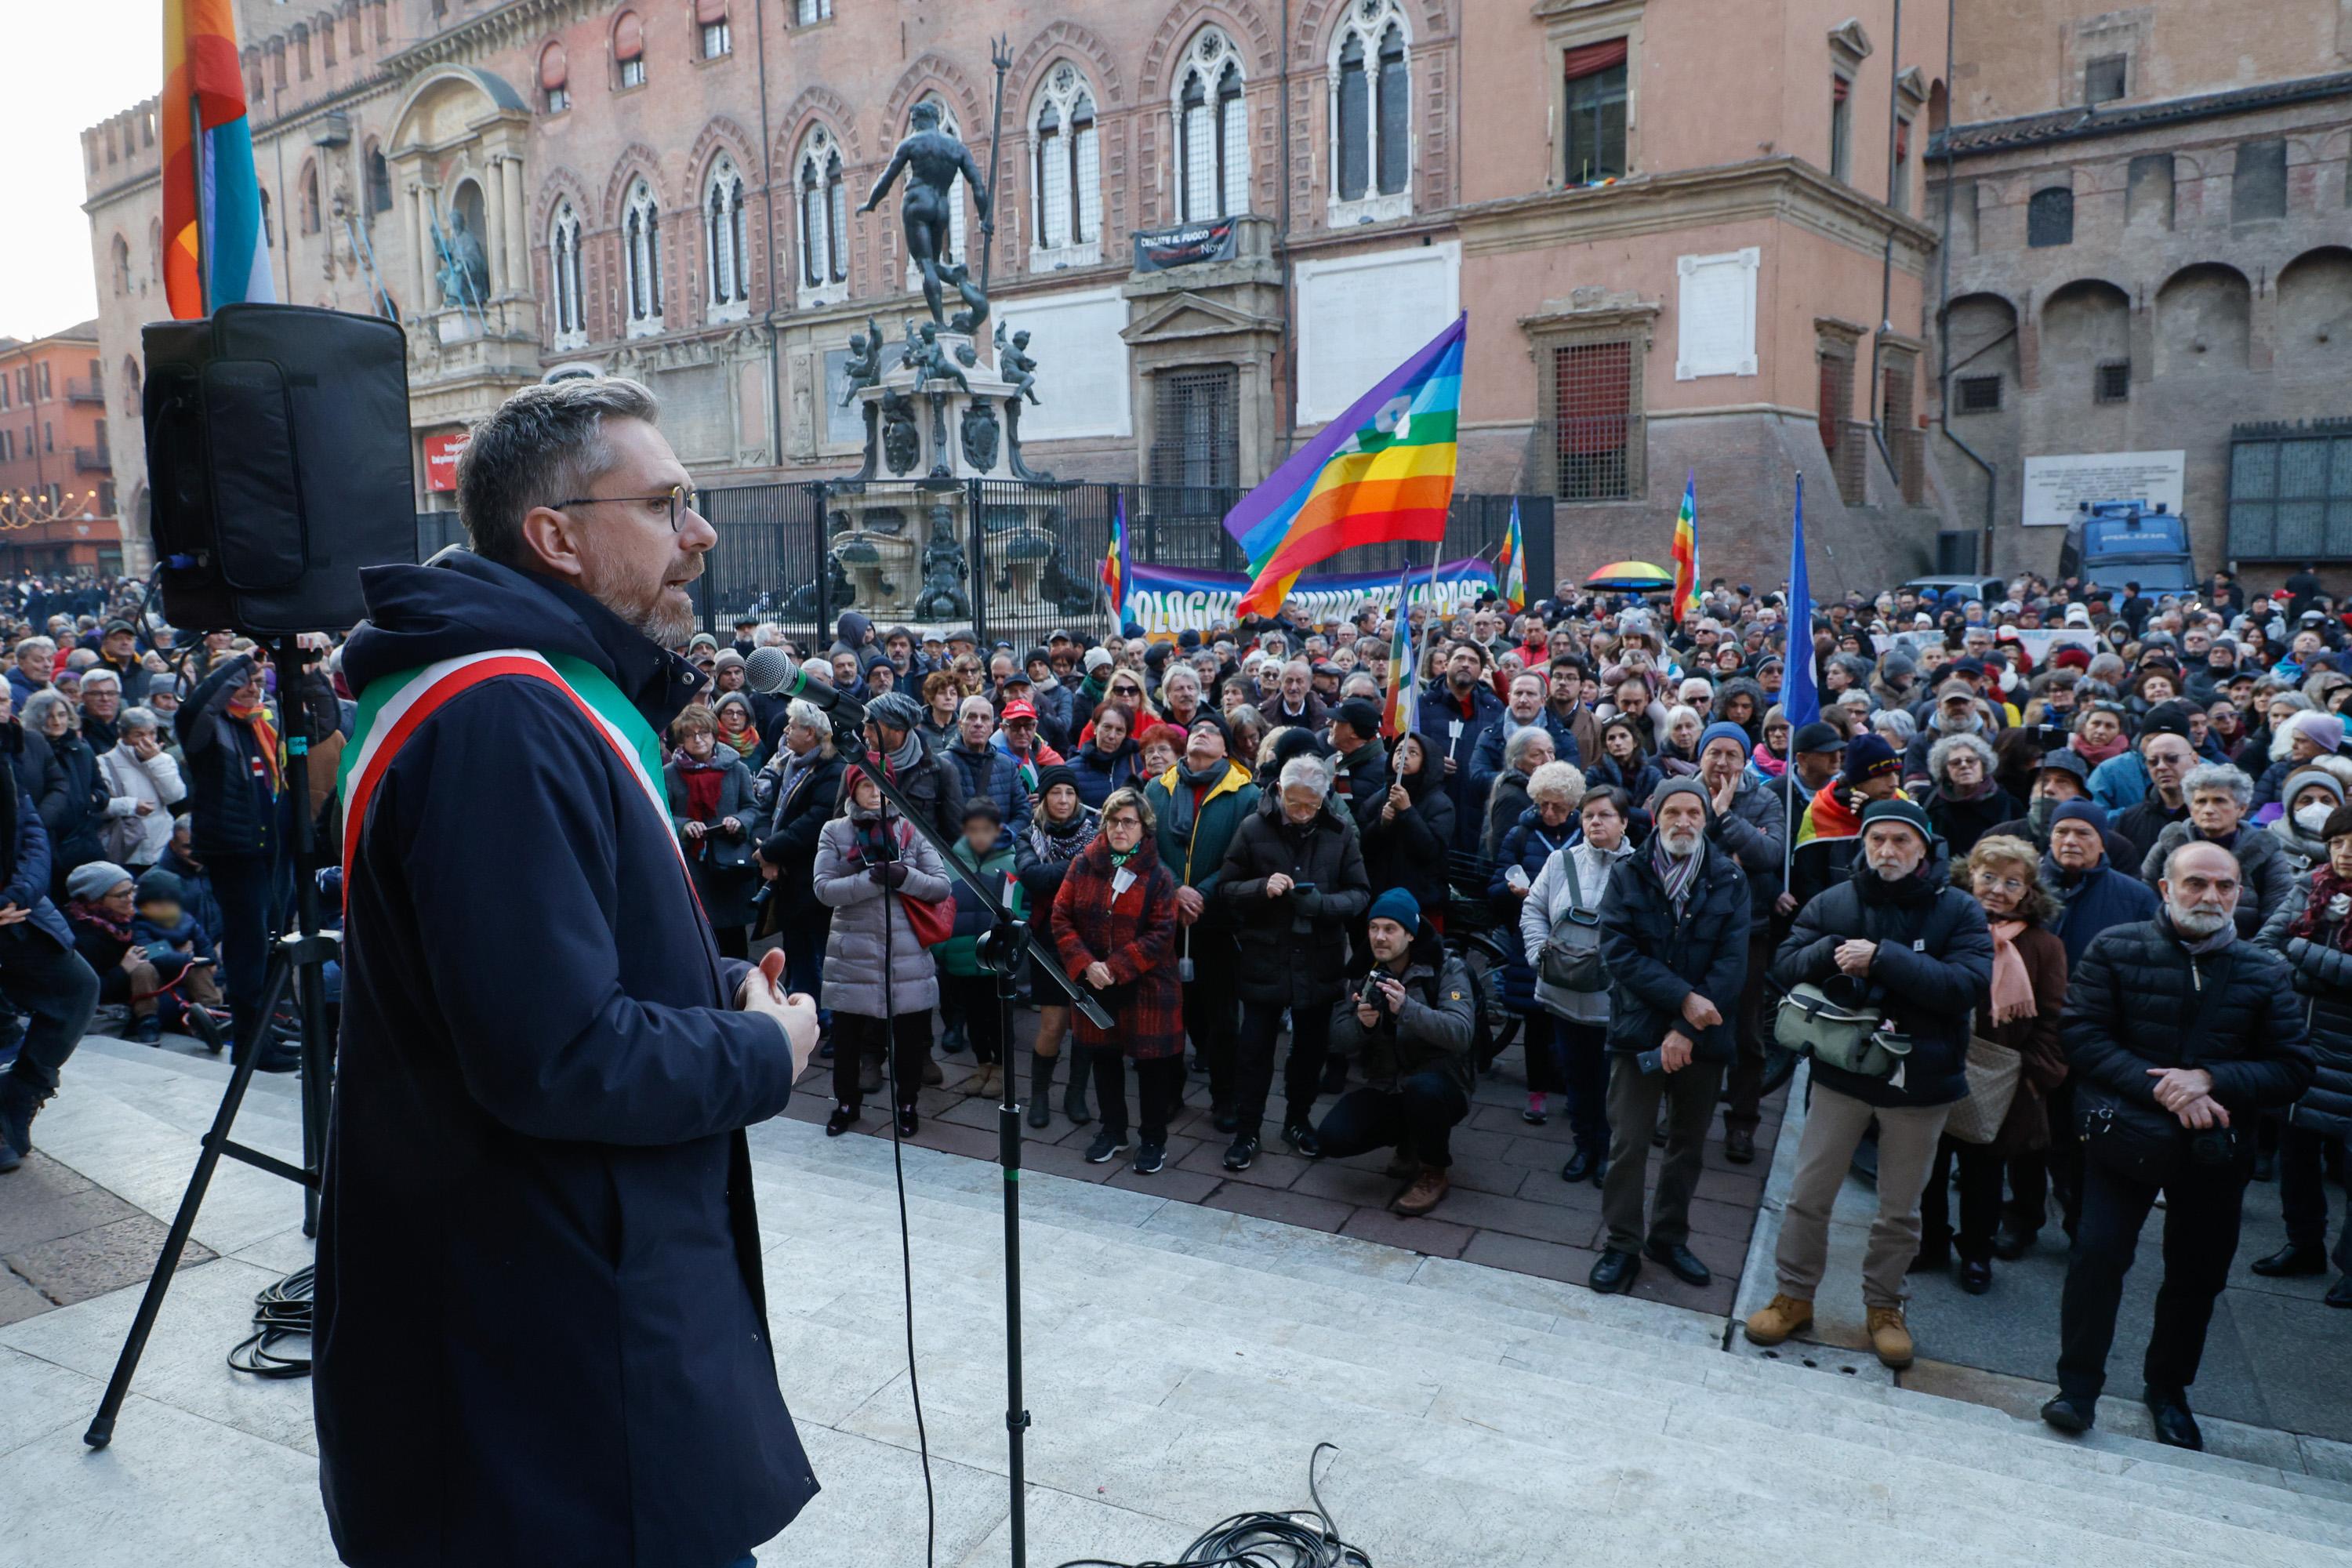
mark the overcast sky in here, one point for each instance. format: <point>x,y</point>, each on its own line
<point>65,65</point>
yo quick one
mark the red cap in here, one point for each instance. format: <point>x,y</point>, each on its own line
<point>1017,709</point>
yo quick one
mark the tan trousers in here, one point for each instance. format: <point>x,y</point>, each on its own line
<point>1834,1124</point>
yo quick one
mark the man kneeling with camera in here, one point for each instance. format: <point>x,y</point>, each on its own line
<point>1407,1025</point>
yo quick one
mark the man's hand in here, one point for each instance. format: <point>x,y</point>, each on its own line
<point>1727,795</point>
<point>2176,1089</point>
<point>1449,765</point>
<point>1674,1052</point>
<point>12,914</point>
<point>1278,884</point>
<point>694,830</point>
<point>1699,1013</point>
<point>796,1015</point>
<point>1368,1015</point>
<point>730,825</point>
<point>1189,904</point>
<point>1098,975</point>
<point>2202,1112</point>
<point>1785,904</point>
<point>1853,957</point>
<point>1392,989</point>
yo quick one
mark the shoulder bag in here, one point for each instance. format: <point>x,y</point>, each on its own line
<point>1571,957</point>
<point>1993,1072</point>
<point>1852,1039</point>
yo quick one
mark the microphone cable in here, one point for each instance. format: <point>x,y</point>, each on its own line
<point>281,1311</point>
<point>1289,1538</point>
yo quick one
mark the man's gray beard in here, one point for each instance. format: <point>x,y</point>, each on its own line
<point>2195,922</point>
<point>1688,843</point>
<point>662,620</point>
<point>1890,870</point>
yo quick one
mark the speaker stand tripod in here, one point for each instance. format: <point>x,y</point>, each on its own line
<point>306,950</point>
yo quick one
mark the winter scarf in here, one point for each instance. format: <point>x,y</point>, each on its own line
<point>2093,756</point>
<point>744,738</point>
<point>265,735</point>
<point>703,782</point>
<point>1676,875</point>
<point>1762,760</point>
<point>1186,798</point>
<point>2012,988</point>
<point>2323,920</point>
<point>1058,843</point>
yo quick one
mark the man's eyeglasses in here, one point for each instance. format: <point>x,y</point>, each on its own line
<point>682,499</point>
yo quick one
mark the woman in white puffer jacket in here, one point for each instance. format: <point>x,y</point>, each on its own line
<point>142,784</point>
<point>1581,1032</point>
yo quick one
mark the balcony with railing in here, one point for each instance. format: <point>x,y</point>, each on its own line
<point>86,389</point>
<point>98,459</point>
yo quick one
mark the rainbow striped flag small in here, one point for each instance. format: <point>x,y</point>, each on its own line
<point>1117,575</point>
<point>214,251</point>
<point>1511,565</point>
<point>1382,470</point>
<point>1686,550</point>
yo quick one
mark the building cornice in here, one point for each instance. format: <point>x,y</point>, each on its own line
<point>1783,187</point>
<point>2110,119</point>
<point>485,34</point>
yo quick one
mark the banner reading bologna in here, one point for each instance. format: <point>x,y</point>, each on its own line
<point>1167,600</point>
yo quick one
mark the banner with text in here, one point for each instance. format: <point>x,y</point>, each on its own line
<point>1170,599</point>
<point>2036,643</point>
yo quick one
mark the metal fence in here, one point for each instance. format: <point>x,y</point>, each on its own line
<point>1010,559</point>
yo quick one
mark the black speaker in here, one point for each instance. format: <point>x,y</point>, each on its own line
<point>278,464</point>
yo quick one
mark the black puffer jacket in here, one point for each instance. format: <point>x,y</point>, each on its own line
<point>2134,1004</point>
<point>1295,947</point>
<point>1934,956</point>
<point>74,811</point>
<point>1655,960</point>
<point>230,806</point>
<point>2322,978</point>
<point>1409,850</point>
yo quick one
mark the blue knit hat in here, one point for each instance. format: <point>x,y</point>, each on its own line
<point>1399,905</point>
<point>1725,730</point>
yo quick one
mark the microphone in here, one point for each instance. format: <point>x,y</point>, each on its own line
<point>772,672</point>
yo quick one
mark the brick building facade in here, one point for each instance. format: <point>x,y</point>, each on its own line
<point>2148,217</point>
<point>57,487</point>
<point>1685,232</point>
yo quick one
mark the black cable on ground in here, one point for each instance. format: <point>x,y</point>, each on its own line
<point>281,1311</point>
<point>1292,1538</point>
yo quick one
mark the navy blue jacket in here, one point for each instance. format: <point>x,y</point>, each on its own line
<point>1656,959</point>
<point>1437,711</point>
<point>2104,897</point>
<point>542,1331</point>
<point>25,876</point>
<point>1487,765</point>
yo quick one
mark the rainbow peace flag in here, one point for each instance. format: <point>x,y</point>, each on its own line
<point>1686,550</point>
<point>1403,710</point>
<point>1382,470</point>
<point>1116,578</point>
<point>1511,565</point>
<point>213,252</point>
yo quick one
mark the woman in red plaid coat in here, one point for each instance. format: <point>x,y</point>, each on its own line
<point>1114,923</point>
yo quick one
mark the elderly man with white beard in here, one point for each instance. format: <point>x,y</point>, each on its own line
<point>2178,1035</point>
<point>1894,940</point>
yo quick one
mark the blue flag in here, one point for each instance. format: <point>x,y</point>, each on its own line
<point>1799,697</point>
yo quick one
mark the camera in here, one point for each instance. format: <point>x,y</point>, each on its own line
<point>1371,996</point>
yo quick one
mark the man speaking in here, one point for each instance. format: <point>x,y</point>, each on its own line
<point>541,1335</point>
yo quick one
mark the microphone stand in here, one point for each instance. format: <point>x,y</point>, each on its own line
<point>1001,950</point>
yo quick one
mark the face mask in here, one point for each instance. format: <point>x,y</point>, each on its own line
<point>2040,813</point>
<point>2313,817</point>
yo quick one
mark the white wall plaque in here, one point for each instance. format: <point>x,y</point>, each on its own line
<point>1714,314</point>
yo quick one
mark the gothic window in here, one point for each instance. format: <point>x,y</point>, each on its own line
<point>1212,132</point>
<point>379,181</point>
<point>725,241</point>
<point>1067,179</point>
<point>563,275</point>
<point>823,218</point>
<point>1372,91</point>
<point>641,259</point>
<point>310,220</point>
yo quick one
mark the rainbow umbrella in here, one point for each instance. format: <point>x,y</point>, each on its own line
<point>1630,575</point>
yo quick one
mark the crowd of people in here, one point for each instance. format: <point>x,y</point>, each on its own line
<point>1602,837</point>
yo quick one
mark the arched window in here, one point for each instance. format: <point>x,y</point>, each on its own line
<point>725,242</point>
<point>1212,132</point>
<point>1068,176</point>
<point>155,241</point>
<point>120,251</point>
<point>2050,216</point>
<point>1371,113</point>
<point>555,77</point>
<point>310,198</point>
<point>823,218</point>
<point>563,277</point>
<point>641,259</point>
<point>132,408</point>
<point>379,180</point>
<point>629,48</point>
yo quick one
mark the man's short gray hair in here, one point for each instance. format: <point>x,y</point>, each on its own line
<point>98,676</point>
<point>809,716</point>
<point>2219,776</point>
<point>36,644</point>
<point>543,445</point>
<point>1306,772</point>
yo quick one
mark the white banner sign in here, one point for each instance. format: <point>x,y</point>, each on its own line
<point>2055,488</point>
<point>2037,644</point>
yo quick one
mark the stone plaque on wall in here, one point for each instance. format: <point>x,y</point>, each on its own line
<point>1714,314</point>
<point>1081,363</point>
<point>696,414</point>
<point>842,426</point>
<point>1360,316</point>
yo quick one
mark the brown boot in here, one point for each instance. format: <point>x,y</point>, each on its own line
<point>1428,1190</point>
<point>1404,1168</point>
<point>1890,1338</point>
<point>1781,1317</point>
<point>933,1076</point>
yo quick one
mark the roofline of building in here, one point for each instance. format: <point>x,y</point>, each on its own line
<point>79,332</point>
<point>2041,130</point>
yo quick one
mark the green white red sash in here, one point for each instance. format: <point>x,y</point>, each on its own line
<point>392,708</point>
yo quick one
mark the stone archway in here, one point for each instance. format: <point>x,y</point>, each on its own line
<point>464,131</point>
